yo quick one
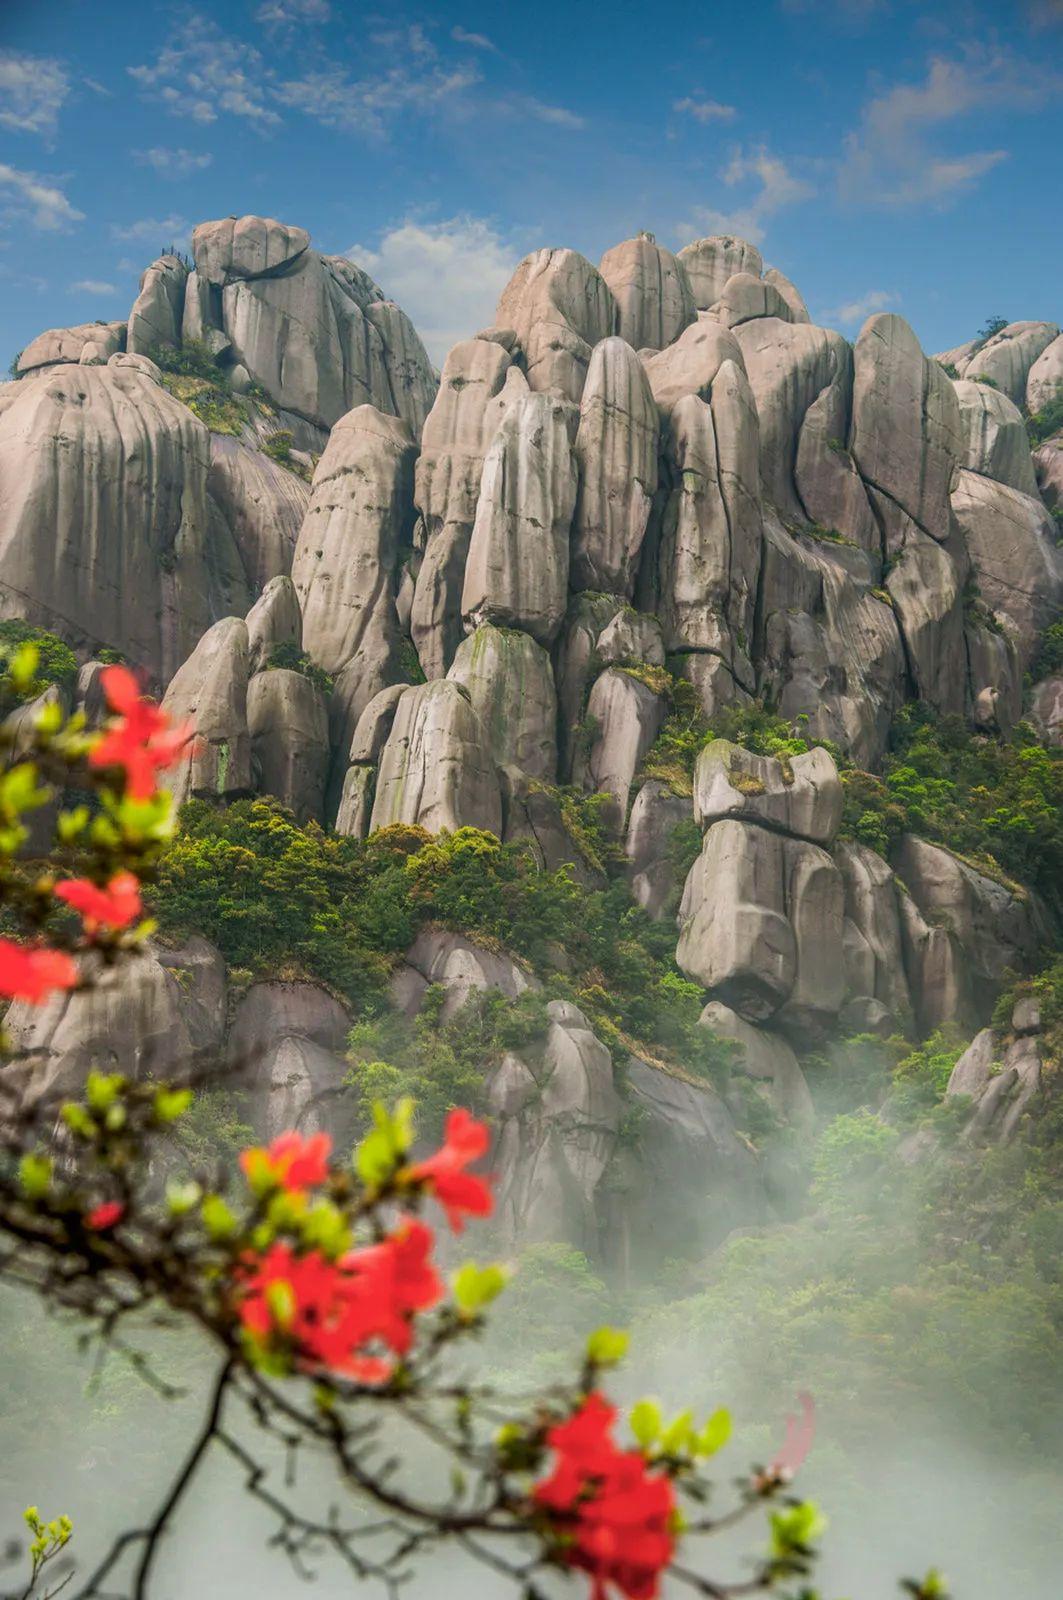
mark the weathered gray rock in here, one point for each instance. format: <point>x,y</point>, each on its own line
<point>1048,465</point>
<point>711,262</point>
<point>262,502</point>
<point>1009,355</point>
<point>926,589</point>
<point>1002,1080</point>
<point>245,247</point>
<point>626,715</point>
<point>974,1069</point>
<point>801,796</point>
<point>106,530</point>
<point>1046,710</point>
<point>411,376</point>
<point>689,366</point>
<point>958,356</point>
<point>510,683</point>
<point>460,967</point>
<point>535,816</point>
<point>517,571</point>
<point>274,619</point>
<point>1045,380</point>
<point>907,438</point>
<point>158,310</point>
<point>437,769</point>
<point>656,813</point>
<point>632,636</point>
<point>288,723</point>
<point>815,904</point>
<point>354,812</point>
<point>576,663</point>
<point>286,1043</point>
<point>269,1010</point>
<point>745,297</point>
<point>993,674</point>
<point>59,345</point>
<point>210,692</point>
<point>997,443</point>
<point>793,298</point>
<point>346,557</point>
<point>735,937</point>
<point>874,961</point>
<point>768,1058</point>
<point>558,307</point>
<point>375,724</point>
<point>1012,544</point>
<point>651,290</point>
<point>616,452</point>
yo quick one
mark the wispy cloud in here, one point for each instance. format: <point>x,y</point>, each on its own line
<point>858,310</point>
<point>173,163</point>
<point>477,41</point>
<point>205,74</point>
<point>702,109</point>
<point>366,104</point>
<point>776,187</point>
<point>287,13</point>
<point>527,105</point>
<point>25,196</point>
<point>891,158</point>
<point>93,286</point>
<point>446,275</point>
<point>156,231</point>
<point>32,92</point>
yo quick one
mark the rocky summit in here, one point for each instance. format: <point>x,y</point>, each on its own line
<point>652,498</point>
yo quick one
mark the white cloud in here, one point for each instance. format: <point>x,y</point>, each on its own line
<point>156,231</point>
<point>446,276</point>
<point>778,188</point>
<point>478,41</point>
<point>24,195</point>
<point>703,110</point>
<point>891,158</point>
<point>94,286</point>
<point>32,91</point>
<point>365,104</point>
<point>205,74</point>
<point>858,310</point>
<point>560,116</point>
<point>286,13</point>
<point>173,163</point>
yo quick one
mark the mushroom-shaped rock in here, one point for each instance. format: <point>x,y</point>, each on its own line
<point>288,723</point>
<point>801,796</point>
<point>437,770</point>
<point>158,310</point>
<point>510,683</point>
<point>1013,550</point>
<point>517,571</point>
<point>631,636</point>
<point>1007,358</point>
<point>58,345</point>
<point>656,813</point>
<point>558,307</point>
<point>106,531</point>
<point>616,451</point>
<point>907,438</point>
<point>768,1058</point>
<point>273,620</point>
<point>626,715</point>
<point>998,445</point>
<point>360,509</point>
<point>689,366</point>
<point>711,262</point>
<point>1045,381</point>
<point>652,292</point>
<point>263,503</point>
<point>744,298</point>
<point>210,692</point>
<point>245,247</point>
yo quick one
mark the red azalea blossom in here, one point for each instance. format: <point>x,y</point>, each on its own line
<point>337,1312</point>
<point>292,1162</point>
<point>34,973</point>
<point>613,1516</point>
<point>105,1216</point>
<point>142,741</point>
<point>800,1432</point>
<point>457,1191</point>
<point>116,906</point>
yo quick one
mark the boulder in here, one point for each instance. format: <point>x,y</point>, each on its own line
<point>437,770</point>
<point>558,307</point>
<point>1048,465</point>
<point>355,810</point>
<point>210,692</point>
<point>631,636</point>
<point>1045,380</point>
<point>767,1058</point>
<point>375,724</point>
<point>510,684</point>
<point>286,1045</point>
<point>651,290</point>
<point>815,904</point>
<point>626,716</point>
<point>536,816</point>
<point>793,298</point>
<point>735,937</point>
<point>263,503</point>
<point>745,297</point>
<point>412,379</point>
<point>656,813</point>
<point>993,673</point>
<point>58,345</point>
<point>517,570</point>
<point>689,366</point>
<point>1012,544</point>
<point>616,453</point>
<point>801,796</point>
<point>288,723</point>
<point>245,247</point>
<point>576,663</point>
<point>273,620</point>
<point>270,1009</point>
<point>926,590</point>
<point>460,967</point>
<point>710,262</point>
<point>997,442</point>
<point>874,960</point>
<point>158,310</point>
<point>1007,358</point>
<point>1046,710</point>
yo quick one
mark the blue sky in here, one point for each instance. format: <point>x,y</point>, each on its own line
<point>882,154</point>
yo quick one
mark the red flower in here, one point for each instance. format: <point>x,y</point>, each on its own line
<point>444,1173</point>
<point>33,974</point>
<point>338,1314</point>
<point>611,1515</point>
<point>105,1216</point>
<point>116,906</point>
<point>291,1162</point>
<point>800,1432</point>
<point>142,740</point>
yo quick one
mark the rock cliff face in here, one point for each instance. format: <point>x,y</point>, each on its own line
<point>437,598</point>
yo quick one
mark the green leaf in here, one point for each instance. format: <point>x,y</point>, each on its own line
<point>796,1528</point>
<point>35,1176</point>
<point>22,667</point>
<point>607,1346</point>
<point>715,1434</point>
<point>383,1150</point>
<point>102,1090</point>
<point>679,1434</point>
<point>170,1104</point>
<point>646,1422</point>
<point>182,1198</point>
<point>217,1217</point>
<point>475,1287</point>
<point>78,1120</point>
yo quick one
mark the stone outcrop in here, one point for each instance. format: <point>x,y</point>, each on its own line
<point>462,969</point>
<point>651,290</point>
<point>655,814</point>
<point>59,345</point>
<point>801,796</point>
<point>437,770</point>
<point>616,454</point>
<point>997,442</point>
<point>1007,358</point>
<point>557,307</point>
<point>262,503</point>
<point>274,620</point>
<point>624,716</point>
<point>510,685</point>
<point>158,310</point>
<point>288,723</point>
<point>1002,1075</point>
<point>710,262</point>
<point>1044,382</point>
<point>1011,541</point>
<point>210,693</point>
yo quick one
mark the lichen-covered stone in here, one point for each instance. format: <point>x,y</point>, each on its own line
<point>437,770</point>
<point>510,683</point>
